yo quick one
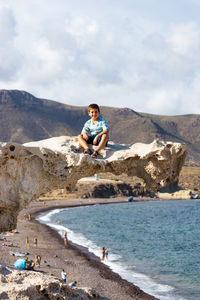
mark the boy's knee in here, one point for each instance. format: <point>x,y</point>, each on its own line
<point>105,136</point>
<point>80,137</point>
<point>83,136</point>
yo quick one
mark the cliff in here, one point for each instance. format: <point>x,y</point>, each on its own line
<point>30,170</point>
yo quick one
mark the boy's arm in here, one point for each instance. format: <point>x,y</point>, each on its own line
<point>105,129</point>
<point>100,134</point>
<point>86,128</point>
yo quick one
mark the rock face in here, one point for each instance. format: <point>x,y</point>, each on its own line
<point>19,284</point>
<point>181,194</point>
<point>30,170</point>
<point>108,190</point>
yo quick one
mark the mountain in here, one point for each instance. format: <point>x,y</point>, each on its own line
<point>26,118</point>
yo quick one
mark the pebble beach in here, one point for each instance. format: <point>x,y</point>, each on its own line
<point>80,265</point>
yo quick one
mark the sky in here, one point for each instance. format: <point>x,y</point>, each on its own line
<point>140,54</point>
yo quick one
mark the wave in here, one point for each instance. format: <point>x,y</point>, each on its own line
<point>46,216</point>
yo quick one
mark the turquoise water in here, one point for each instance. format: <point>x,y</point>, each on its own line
<point>154,244</point>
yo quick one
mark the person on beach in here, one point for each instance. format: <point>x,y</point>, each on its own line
<point>103,252</point>
<point>29,264</point>
<point>95,132</point>
<point>37,260</point>
<point>7,244</point>
<point>64,276</point>
<point>27,242</point>
<point>106,253</point>
<point>35,242</point>
<point>65,238</point>
<point>72,284</point>
<point>32,265</point>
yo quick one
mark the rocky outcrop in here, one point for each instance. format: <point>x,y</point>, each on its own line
<point>180,194</point>
<point>107,190</point>
<point>19,284</point>
<point>30,170</point>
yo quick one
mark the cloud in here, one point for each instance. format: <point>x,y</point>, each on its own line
<point>117,54</point>
<point>185,39</point>
<point>9,55</point>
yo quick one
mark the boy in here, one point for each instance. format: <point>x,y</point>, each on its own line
<point>95,131</point>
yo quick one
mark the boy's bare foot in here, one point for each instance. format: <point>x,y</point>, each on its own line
<point>94,154</point>
<point>88,151</point>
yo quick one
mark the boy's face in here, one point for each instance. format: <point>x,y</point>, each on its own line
<point>94,114</point>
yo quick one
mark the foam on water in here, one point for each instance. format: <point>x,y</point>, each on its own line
<point>115,262</point>
<point>46,216</point>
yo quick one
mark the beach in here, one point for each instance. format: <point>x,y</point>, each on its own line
<point>80,265</point>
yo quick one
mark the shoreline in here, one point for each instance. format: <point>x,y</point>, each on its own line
<point>80,265</point>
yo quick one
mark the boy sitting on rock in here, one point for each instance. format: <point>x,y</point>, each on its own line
<point>95,132</point>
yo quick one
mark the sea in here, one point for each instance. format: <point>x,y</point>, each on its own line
<point>152,244</point>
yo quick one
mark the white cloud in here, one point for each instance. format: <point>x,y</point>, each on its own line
<point>9,55</point>
<point>117,53</point>
<point>81,27</point>
<point>185,38</point>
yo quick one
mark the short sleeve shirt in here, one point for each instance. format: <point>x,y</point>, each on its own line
<point>93,129</point>
<point>63,275</point>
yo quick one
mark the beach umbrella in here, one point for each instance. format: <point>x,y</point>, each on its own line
<point>20,263</point>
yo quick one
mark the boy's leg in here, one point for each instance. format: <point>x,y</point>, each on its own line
<point>82,138</point>
<point>103,142</point>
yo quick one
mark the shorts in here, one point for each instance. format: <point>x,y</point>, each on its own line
<point>91,139</point>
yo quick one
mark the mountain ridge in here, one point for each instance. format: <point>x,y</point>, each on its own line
<point>26,118</point>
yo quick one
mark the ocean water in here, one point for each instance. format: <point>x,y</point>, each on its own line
<point>153,244</point>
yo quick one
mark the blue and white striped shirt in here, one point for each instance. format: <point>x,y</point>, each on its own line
<point>93,129</point>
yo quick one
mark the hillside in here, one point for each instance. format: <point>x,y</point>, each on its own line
<point>26,118</point>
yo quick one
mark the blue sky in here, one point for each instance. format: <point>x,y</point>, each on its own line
<point>141,54</point>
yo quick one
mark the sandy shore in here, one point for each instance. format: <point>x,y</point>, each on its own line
<point>80,265</point>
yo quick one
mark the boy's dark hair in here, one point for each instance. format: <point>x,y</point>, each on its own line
<point>93,106</point>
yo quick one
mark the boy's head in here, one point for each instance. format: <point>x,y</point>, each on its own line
<point>93,106</point>
<point>94,111</point>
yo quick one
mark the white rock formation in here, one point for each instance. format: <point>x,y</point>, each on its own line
<point>24,285</point>
<point>30,170</point>
<point>181,194</point>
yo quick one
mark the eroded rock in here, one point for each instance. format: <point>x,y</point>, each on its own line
<point>30,170</point>
<point>19,284</point>
<point>107,190</point>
